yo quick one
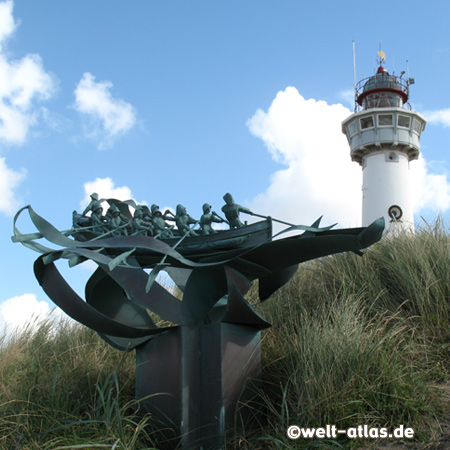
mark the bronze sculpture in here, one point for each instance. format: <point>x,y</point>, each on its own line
<point>214,334</point>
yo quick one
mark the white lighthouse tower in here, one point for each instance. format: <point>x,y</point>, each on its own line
<point>384,137</point>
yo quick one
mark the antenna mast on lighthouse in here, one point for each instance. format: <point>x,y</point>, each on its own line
<point>354,70</point>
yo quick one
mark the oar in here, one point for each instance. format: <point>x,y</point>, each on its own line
<point>150,229</point>
<point>109,232</point>
<point>221,218</point>
<point>141,231</point>
<point>80,228</point>
<point>186,235</point>
<point>171,227</point>
<point>155,271</point>
<point>275,220</point>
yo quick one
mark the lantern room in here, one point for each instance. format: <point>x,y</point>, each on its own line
<point>382,91</point>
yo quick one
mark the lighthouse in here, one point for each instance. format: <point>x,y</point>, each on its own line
<point>384,137</point>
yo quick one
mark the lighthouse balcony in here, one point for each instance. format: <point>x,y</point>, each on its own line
<point>382,129</point>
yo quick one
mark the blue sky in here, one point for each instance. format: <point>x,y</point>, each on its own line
<point>173,102</point>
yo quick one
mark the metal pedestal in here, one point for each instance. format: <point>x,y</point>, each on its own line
<point>201,381</point>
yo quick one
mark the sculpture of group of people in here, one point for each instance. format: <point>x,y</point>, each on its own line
<point>152,222</point>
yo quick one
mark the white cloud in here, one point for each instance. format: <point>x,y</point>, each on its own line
<point>320,177</point>
<point>9,180</point>
<point>114,116</point>
<point>7,23</point>
<point>440,117</point>
<point>24,82</point>
<point>431,191</point>
<point>105,188</point>
<point>17,312</point>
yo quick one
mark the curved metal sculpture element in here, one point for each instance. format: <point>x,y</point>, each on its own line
<point>210,350</point>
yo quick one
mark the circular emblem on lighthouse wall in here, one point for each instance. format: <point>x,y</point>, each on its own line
<point>395,212</point>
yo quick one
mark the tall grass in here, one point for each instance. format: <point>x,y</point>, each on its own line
<point>363,340</point>
<point>66,388</point>
<point>354,341</point>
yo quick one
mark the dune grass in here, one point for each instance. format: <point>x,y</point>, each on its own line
<point>354,341</point>
<point>63,387</point>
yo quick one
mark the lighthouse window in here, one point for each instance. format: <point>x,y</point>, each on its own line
<point>404,121</point>
<point>384,120</point>
<point>366,122</point>
<point>417,126</point>
<point>353,128</point>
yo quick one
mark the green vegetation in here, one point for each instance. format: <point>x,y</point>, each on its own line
<point>354,341</point>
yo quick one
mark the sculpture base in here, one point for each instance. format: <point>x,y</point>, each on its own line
<point>201,381</point>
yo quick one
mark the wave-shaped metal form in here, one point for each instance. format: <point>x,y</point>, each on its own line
<point>213,273</point>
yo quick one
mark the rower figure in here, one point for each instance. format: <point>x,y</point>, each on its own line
<point>146,215</point>
<point>139,224</point>
<point>232,210</point>
<point>115,222</point>
<point>78,221</point>
<point>183,220</point>
<point>208,218</point>
<point>94,204</point>
<point>98,222</point>
<point>160,226</point>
